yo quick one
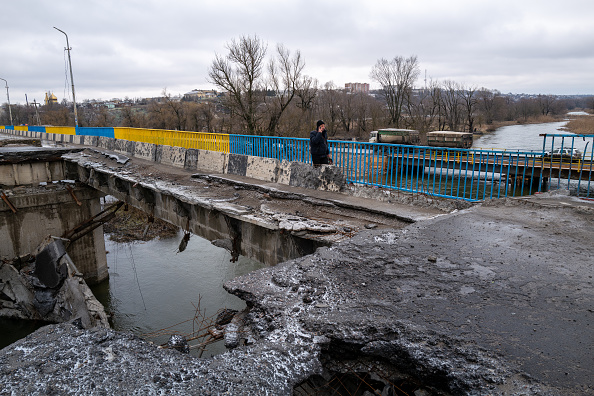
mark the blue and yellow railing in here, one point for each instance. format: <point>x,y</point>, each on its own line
<point>469,174</point>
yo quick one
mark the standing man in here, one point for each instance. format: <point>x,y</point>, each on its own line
<point>318,145</point>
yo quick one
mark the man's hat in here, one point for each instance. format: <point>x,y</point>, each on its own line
<point>320,122</point>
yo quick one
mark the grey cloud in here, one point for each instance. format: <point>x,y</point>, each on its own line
<point>122,48</point>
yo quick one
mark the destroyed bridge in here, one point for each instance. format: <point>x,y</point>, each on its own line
<point>368,287</point>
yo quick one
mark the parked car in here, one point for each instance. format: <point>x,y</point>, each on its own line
<point>564,154</point>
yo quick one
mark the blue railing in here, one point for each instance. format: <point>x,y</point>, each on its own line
<point>575,150</point>
<point>472,175</point>
<point>281,148</point>
<point>468,174</point>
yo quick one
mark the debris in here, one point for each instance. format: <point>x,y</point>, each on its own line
<point>10,205</point>
<point>179,343</point>
<point>132,226</point>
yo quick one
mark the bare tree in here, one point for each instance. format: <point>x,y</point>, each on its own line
<point>246,79</point>
<point>129,119</point>
<point>174,112</point>
<point>285,79</point>
<point>363,105</point>
<point>469,100</point>
<point>240,74</point>
<point>451,105</point>
<point>545,103</point>
<point>396,78</point>
<point>327,103</point>
<point>56,114</point>
<point>346,110</point>
<point>306,93</point>
<point>424,109</point>
<point>486,103</point>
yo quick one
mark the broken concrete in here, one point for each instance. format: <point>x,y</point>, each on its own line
<point>63,359</point>
<point>496,299</point>
<point>48,288</point>
<point>234,207</point>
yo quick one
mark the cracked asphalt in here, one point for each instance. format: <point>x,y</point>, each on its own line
<point>484,295</point>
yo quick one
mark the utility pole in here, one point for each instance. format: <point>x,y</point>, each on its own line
<point>71,78</point>
<point>8,98</point>
<point>34,103</point>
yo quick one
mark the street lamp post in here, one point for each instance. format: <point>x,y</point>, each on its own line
<point>8,98</point>
<point>71,78</point>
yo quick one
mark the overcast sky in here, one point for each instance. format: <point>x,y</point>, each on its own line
<point>136,48</point>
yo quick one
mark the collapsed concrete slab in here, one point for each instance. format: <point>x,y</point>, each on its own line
<point>48,288</point>
<point>489,300</point>
<point>496,299</point>
<point>63,359</point>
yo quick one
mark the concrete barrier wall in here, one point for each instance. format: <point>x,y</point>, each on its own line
<point>173,156</point>
<point>297,174</point>
<point>212,161</point>
<point>284,173</point>
<point>145,151</point>
<point>237,164</point>
<point>265,169</point>
<point>192,159</point>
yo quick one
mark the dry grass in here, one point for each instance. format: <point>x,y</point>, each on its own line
<point>485,128</point>
<point>134,225</point>
<point>583,125</point>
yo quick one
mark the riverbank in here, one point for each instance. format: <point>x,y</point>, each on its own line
<point>581,124</point>
<point>488,128</point>
<point>578,124</point>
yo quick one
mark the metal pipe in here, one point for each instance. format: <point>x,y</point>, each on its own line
<point>71,77</point>
<point>8,98</point>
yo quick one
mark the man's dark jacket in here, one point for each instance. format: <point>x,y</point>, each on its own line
<point>318,143</point>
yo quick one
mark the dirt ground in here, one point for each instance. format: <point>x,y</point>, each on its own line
<point>131,224</point>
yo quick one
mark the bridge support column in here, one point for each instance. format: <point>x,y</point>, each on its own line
<point>53,210</point>
<point>545,184</point>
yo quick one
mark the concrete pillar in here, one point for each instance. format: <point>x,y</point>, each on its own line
<point>51,210</point>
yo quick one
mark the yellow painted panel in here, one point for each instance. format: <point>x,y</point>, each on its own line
<point>60,130</point>
<point>21,128</point>
<point>124,133</point>
<point>186,139</point>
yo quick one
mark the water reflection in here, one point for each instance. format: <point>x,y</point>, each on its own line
<point>151,287</point>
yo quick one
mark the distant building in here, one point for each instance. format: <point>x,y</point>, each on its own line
<point>50,98</point>
<point>199,94</point>
<point>357,88</point>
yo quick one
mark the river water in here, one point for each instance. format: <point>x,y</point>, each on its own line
<point>526,138</point>
<point>152,287</point>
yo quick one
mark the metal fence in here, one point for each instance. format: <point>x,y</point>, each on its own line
<point>470,174</point>
<point>572,155</point>
<point>281,148</point>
